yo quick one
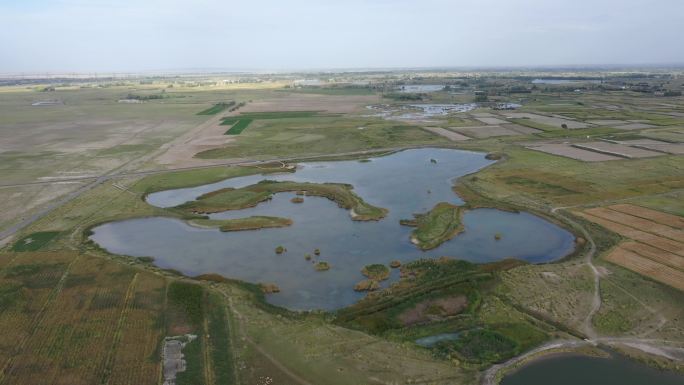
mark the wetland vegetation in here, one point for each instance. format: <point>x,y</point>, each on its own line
<point>153,267</point>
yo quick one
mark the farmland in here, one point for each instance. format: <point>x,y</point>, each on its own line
<point>658,252</point>
<point>82,315</point>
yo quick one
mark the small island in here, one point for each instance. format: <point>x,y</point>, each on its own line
<point>436,226</point>
<point>235,199</point>
<point>242,224</point>
<point>322,266</point>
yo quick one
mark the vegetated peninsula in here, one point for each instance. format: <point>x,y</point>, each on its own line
<point>436,226</point>
<point>249,196</point>
<point>241,224</point>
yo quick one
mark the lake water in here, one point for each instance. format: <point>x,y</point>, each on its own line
<point>406,182</point>
<point>581,370</point>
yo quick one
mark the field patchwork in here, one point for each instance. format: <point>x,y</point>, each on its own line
<point>656,250</point>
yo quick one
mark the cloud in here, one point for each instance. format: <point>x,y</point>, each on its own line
<point>125,35</point>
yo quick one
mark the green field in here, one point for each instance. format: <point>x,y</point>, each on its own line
<point>216,108</point>
<point>80,313</point>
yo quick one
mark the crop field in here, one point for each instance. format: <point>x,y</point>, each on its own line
<point>78,319</point>
<point>237,125</point>
<point>550,121</point>
<point>267,139</point>
<point>216,108</point>
<point>76,314</point>
<point>656,145</point>
<point>241,122</point>
<point>658,252</point>
<point>573,152</point>
<point>617,150</point>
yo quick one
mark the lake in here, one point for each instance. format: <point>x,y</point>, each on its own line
<point>582,370</point>
<point>405,183</point>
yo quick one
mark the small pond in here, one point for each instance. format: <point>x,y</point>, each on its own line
<point>406,182</point>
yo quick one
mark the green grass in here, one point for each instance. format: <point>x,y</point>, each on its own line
<point>216,108</point>
<point>319,135</point>
<point>533,124</point>
<point>241,122</point>
<point>250,196</point>
<point>238,125</point>
<point>376,271</point>
<point>239,224</point>
<point>436,226</point>
<point>481,346</point>
<point>194,370</point>
<point>222,358</point>
<point>34,241</point>
<point>532,176</point>
<point>189,298</point>
<point>192,178</point>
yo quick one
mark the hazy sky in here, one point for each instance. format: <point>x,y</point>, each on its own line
<point>137,35</point>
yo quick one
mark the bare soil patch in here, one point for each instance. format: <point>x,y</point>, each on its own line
<point>568,151</point>
<point>491,121</point>
<point>453,136</point>
<point>313,102</point>
<point>635,126</point>
<point>206,136</point>
<point>485,131</point>
<point>617,150</point>
<point>521,129</point>
<point>433,310</point>
<point>548,120</point>
<point>656,145</point>
<point>607,122</point>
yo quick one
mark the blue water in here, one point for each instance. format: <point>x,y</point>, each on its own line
<point>405,183</point>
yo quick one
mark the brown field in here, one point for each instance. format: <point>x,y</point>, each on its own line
<point>653,254</point>
<point>638,223</point>
<point>647,267</point>
<point>312,102</point>
<point>453,136</point>
<point>206,136</point>
<point>521,129</point>
<point>491,121</point>
<point>485,131</point>
<point>638,235</point>
<point>433,309</point>
<point>617,150</point>
<point>548,120</point>
<point>568,151</point>
<point>657,216</point>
